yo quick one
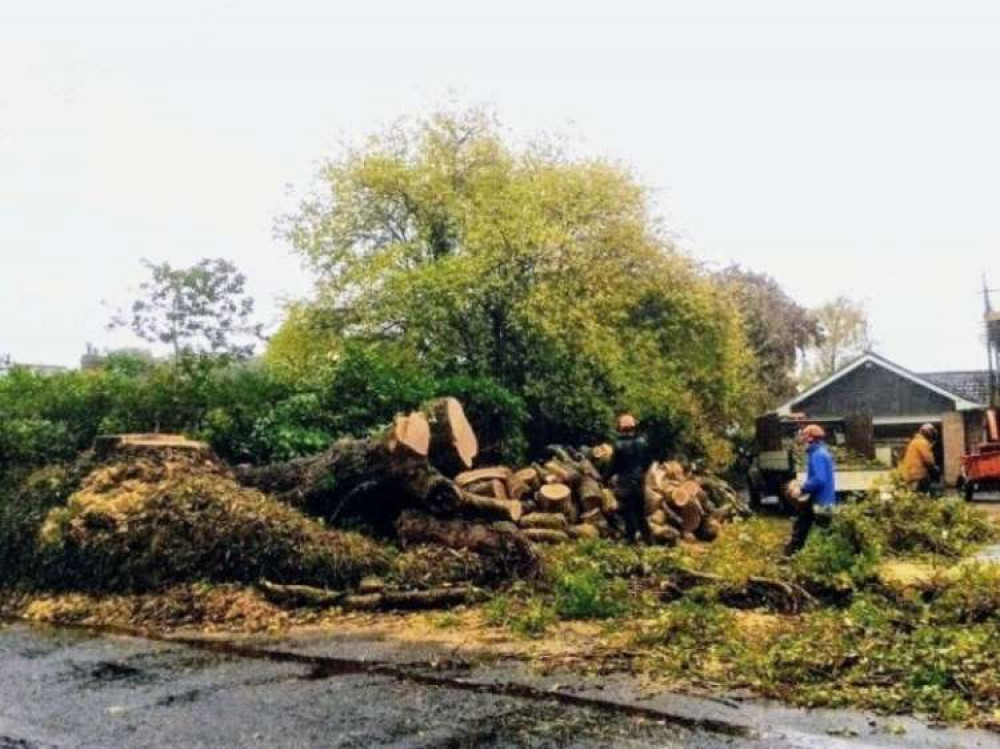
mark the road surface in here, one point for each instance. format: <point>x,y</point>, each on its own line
<point>67,688</point>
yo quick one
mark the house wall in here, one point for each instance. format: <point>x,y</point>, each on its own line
<point>874,391</point>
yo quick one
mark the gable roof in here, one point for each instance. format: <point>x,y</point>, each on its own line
<point>962,403</point>
<point>971,384</point>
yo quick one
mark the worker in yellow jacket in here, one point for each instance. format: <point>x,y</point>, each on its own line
<point>918,467</point>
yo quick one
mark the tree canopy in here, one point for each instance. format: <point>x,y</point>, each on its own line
<point>204,307</point>
<point>540,271</point>
<point>778,329</point>
<point>846,335</point>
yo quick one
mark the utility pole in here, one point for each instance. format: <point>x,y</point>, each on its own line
<point>992,321</point>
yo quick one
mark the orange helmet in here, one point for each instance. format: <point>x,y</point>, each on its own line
<point>626,423</point>
<point>813,432</point>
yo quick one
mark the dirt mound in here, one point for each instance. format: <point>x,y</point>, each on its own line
<point>145,520</point>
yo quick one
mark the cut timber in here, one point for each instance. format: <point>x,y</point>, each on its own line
<point>299,595</point>
<point>530,477</point>
<point>590,493</point>
<point>505,553</point>
<point>673,471</point>
<point>555,521</point>
<point>467,478</point>
<point>554,497</point>
<point>602,454</point>
<point>545,536</point>
<point>453,442</point>
<point>499,509</point>
<point>609,503</point>
<point>584,530</point>
<point>500,489</point>
<point>517,488</point>
<point>591,516</point>
<point>411,432</point>
<point>684,503</point>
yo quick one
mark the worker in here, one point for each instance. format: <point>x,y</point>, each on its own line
<point>918,467</point>
<point>628,466</point>
<point>819,488</point>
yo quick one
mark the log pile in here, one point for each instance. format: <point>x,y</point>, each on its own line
<point>421,467</point>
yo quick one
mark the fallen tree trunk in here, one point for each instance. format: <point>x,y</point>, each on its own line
<point>299,595</point>
<point>390,470</point>
<point>411,600</point>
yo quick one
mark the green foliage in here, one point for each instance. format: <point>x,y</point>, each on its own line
<point>541,273</point>
<point>777,329</point>
<point>525,617</point>
<point>587,594</point>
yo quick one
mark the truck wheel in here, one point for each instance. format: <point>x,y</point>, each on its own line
<point>969,491</point>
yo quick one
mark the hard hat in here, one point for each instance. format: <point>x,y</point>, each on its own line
<point>626,422</point>
<point>929,430</point>
<point>813,432</point>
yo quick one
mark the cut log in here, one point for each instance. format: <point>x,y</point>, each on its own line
<point>410,432</point>
<point>554,497</point>
<point>552,520</point>
<point>590,494</point>
<point>505,554</point>
<point>499,509</point>
<point>545,536</point>
<point>609,503</point>
<point>659,517</point>
<point>516,488</point>
<point>591,516</point>
<point>584,531</point>
<point>602,454</point>
<point>467,478</point>
<point>299,595</point>
<point>530,477</point>
<point>673,471</point>
<point>500,489</point>
<point>685,504</point>
<point>453,445</point>
<point>482,488</point>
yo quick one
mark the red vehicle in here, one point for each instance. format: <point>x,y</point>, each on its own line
<point>981,467</point>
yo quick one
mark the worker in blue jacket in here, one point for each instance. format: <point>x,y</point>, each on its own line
<point>819,488</point>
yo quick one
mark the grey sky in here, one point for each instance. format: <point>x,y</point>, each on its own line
<point>848,147</point>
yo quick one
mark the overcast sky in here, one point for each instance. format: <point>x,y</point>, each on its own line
<point>843,147</point>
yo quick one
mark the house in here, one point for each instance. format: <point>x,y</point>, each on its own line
<point>875,406</point>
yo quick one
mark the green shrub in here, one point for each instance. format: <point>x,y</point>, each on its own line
<point>587,594</point>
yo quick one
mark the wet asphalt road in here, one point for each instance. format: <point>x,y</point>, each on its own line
<point>73,688</point>
<point>66,688</point>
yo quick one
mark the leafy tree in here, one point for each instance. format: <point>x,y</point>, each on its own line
<point>846,335</point>
<point>200,309</point>
<point>539,271</point>
<point>778,329</point>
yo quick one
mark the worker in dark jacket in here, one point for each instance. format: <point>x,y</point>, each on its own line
<point>628,466</point>
<point>819,488</point>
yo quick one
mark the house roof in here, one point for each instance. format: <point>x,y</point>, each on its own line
<point>971,384</point>
<point>962,400</point>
